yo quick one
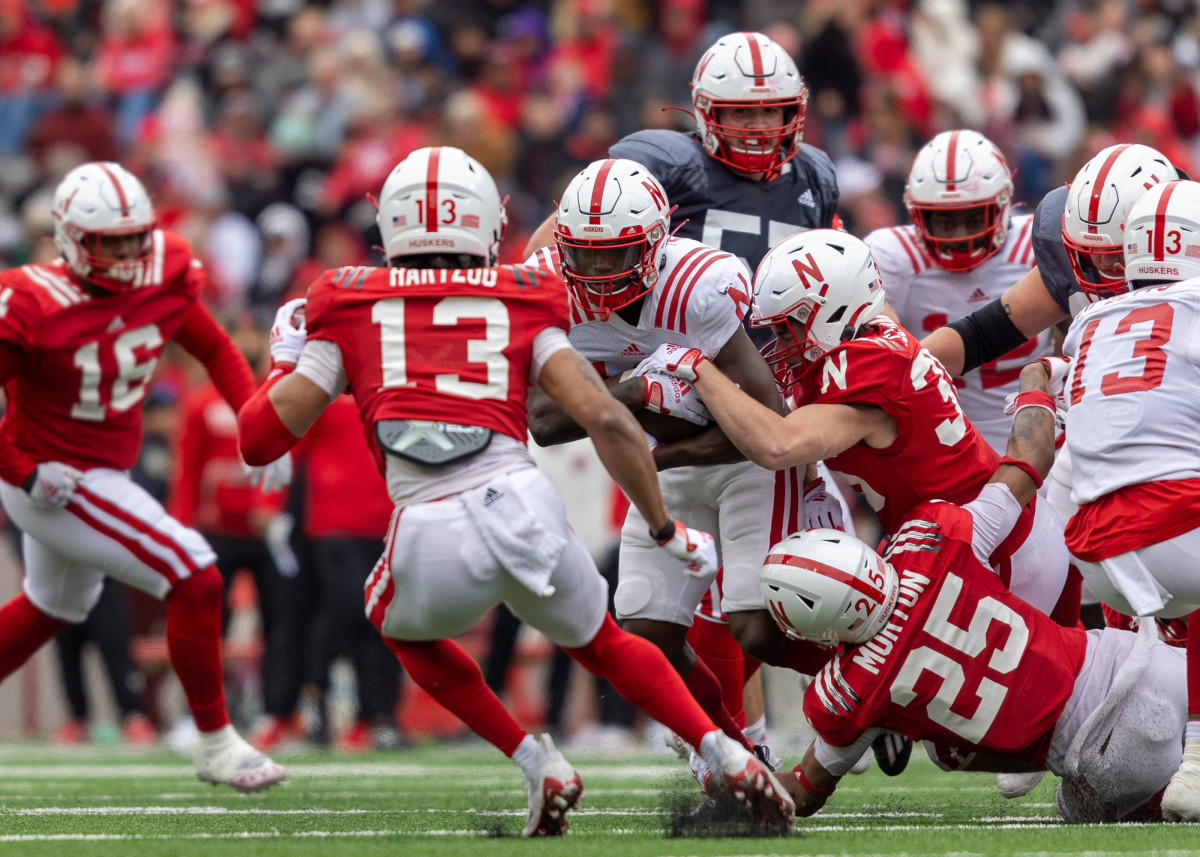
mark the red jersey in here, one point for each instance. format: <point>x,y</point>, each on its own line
<point>86,357</point>
<point>211,490</point>
<point>344,494</point>
<point>962,661</point>
<point>446,345</point>
<point>938,455</point>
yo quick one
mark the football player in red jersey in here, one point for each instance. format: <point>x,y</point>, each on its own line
<point>79,339</point>
<point>439,350</point>
<point>932,645</point>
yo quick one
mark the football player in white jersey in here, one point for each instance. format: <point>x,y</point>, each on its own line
<point>634,288</point>
<point>1131,429</point>
<point>962,250</point>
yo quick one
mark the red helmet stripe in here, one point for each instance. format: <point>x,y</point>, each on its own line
<point>122,200</point>
<point>1160,220</point>
<point>1098,186</point>
<point>756,59</point>
<point>855,583</point>
<point>951,157</point>
<point>598,190</point>
<point>431,189</point>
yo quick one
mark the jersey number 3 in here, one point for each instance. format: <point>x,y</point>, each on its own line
<point>488,351</point>
<point>968,645</point>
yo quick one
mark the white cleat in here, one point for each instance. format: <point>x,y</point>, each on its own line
<point>223,758</point>
<point>743,776</point>
<point>1181,800</point>
<point>1018,785</point>
<point>556,790</point>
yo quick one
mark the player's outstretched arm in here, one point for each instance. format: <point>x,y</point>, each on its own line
<point>1024,310</point>
<point>550,425</point>
<point>809,784</point>
<point>1030,452</point>
<point>204,339</point>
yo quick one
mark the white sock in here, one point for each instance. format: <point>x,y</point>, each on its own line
<point>212,740</point>
<point>530,755</point>
<point>1192,730</point>
<point>756,732</point>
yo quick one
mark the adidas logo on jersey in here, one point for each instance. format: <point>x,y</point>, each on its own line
<point>632,350</point>
<point>491,496</point>
<point>806,198</point>
<point>977,296</point>
<point>115,325</point>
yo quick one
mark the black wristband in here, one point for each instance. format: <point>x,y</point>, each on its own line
<point>665,533</point>
<point>30,481</point>
<point>987,334</point>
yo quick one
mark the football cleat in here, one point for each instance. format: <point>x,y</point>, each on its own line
<point>556,790</point>
<point>1181,800</point>
<point>892,752</point>
<point>767,756</point>
<point>1018,785</point>
<point>748,781</point>
<point>680,747</point>
<point>223,758</point>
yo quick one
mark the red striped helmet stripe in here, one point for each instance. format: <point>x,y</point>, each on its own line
<point>431,189</point>
<point>951,157</point>
<point>756,59</point>
<point>1160,220</point>
<point>855,583</point>
<point>598,190</point>
<point>1098,185</point>
<point>122,200</point>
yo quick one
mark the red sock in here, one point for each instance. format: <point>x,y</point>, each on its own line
<point>1193,660</point>
<point>194,645</point>
<point>703,685</point>
<point>714,644</point>
<point>643,676</point>
<point>23,630</point>
<point>451,676</point>
<point>806,657</point>
<point>1066,611</point>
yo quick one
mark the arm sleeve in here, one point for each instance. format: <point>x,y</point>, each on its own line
<point>204,339</point>
<point>545,345</point>
<point>987,334</point>
<point>321,363</point>
<point>15,466</point>
<point>839,760</point>
<point>994,511</point>
<point>185,487</point>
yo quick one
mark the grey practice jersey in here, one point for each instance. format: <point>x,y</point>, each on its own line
<point>723,210</point>
<point>1051,256</point>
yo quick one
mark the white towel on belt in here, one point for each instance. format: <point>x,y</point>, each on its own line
<point>1132,579</point>
<point>520,543</point>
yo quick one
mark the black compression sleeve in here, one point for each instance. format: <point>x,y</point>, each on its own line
<point>987,333</point>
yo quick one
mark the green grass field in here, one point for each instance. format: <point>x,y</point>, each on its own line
<point>467,800</point>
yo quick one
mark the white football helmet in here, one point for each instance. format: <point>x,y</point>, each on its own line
<point>1098,205</point>
<point>611,230</point>
<point>960,174</point>
<point>824,281</point>
<point>1162,237</point>
<point>749,70</point>
<point>828,587</point>
<point>97,201</point>
<point>440,200</point>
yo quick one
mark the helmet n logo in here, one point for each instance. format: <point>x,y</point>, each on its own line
<point>660,198</point>
<point>804,271</point>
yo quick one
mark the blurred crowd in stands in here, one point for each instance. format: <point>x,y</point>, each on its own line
<point>260,126</point>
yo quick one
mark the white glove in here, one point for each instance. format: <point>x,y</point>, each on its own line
<point>271,477</point>
<point>675,397</point>
<point>677,360</point>
<point>821,508</point>
<point>1058,368</point>
<point>53,485</point>
<point>278,538</point>
<point>695,547</point>
<point>287,336</point>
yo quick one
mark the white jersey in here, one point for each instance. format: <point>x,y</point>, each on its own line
<point>925,297</point>
<point>698,301</point>
<point>1134,390</point>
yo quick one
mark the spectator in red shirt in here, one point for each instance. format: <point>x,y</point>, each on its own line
<point>346,515</point>
<point>134,59</point>
<point>29,55</point>
<point>73,121</point>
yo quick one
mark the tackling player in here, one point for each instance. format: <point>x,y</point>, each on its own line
<point>439,351</point>
<point>1131,430</point>
<point>79,340</point>
<point>931,644</point>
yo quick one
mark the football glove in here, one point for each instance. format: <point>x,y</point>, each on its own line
<point>674,397</point>
<point>695,547</point>
<point>821,508</point>
<point>288,333</point>
<point>1057,368</point>
<point>52,485</point>
<point>271,477</point>
<point>677,360</point>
